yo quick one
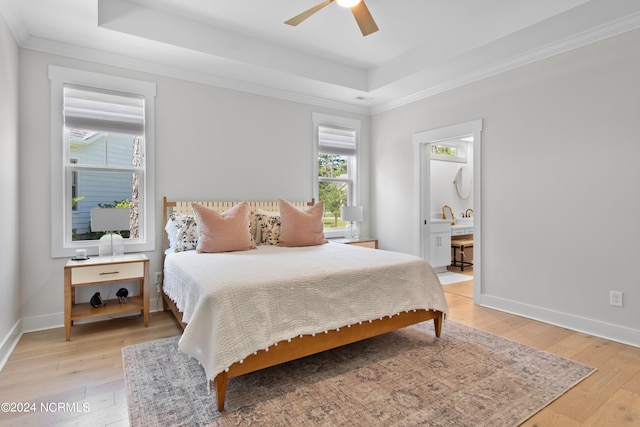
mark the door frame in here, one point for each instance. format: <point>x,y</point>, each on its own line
<point>422,197</point>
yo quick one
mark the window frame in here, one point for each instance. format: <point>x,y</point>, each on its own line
<point>62,244</point>
<point>74,184</point>
<point>319,119</point>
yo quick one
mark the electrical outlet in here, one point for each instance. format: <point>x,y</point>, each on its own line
<point>615,298</point>
<point>158,277</point>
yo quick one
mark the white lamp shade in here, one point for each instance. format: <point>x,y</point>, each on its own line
<point>352,213</point>
<point>110,219</point>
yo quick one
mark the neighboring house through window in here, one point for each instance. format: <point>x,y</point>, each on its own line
<point>102,156</point>
<point>336,159</point>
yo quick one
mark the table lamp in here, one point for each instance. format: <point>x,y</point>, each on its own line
<point>354,215</point>
<point>110,220</point>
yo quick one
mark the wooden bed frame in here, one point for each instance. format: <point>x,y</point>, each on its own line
<point>301,346</point>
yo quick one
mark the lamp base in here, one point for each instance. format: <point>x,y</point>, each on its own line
<point>111,244</point>
<point>354,230</point>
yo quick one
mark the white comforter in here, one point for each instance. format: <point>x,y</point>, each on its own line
<point>237,303</point>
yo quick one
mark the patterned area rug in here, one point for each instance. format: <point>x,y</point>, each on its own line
<point>404,378</point>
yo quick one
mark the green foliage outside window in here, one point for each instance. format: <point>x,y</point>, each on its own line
<point>75,200</point>
<point>124,203</point>
<point>331,166</point>
<point>333,194</point>
<point>444,150</point>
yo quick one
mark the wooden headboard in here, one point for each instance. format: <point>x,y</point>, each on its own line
<point>184,208</point>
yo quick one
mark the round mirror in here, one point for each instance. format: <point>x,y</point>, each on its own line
<point>463,182</point>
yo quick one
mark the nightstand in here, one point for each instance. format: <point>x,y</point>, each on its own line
<point>362,241</point>
<point>101,270</point>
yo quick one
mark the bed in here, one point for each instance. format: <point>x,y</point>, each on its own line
<point>245,310</point>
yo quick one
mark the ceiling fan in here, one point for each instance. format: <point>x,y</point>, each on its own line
<point>358,8</point>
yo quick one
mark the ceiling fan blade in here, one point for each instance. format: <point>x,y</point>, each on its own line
<point>364,19</point>
<point>307,13</point>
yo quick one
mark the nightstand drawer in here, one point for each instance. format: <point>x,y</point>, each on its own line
<point>107,273</point>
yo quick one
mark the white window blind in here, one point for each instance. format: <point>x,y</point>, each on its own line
<point>103,110</point>
<point>336,140</point>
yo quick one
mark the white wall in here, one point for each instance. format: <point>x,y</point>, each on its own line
<point>9,232</point>
<point>211,144</point>
<point>560,175</point>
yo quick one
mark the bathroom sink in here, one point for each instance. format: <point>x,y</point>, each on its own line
<point>464,221</point>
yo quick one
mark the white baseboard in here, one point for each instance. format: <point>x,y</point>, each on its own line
<point>40,323</point>
<point>9,343</point>
<point>621,334</point>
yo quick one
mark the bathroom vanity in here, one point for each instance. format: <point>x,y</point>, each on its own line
<point>440,236</point>
<point>440,244</point>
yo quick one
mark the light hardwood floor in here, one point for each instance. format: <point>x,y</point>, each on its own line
<point>88,369</point>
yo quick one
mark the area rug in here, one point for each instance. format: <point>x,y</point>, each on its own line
<point>449,277</point>
<point>408,377</point>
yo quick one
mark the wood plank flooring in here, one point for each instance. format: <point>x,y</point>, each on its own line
<point>86,373</point>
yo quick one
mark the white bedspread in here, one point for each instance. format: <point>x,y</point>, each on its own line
<point>239,302</point>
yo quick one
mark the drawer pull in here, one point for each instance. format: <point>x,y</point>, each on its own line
<point>109,272</point>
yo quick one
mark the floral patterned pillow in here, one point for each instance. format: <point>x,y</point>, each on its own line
<point>268,227</point>
<point>253,226</point>
<point>183,233</point>
<point>188,236</point>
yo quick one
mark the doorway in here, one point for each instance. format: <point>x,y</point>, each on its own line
<point>425,224</point>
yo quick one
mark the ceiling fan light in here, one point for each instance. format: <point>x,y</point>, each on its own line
<point>347,3</point>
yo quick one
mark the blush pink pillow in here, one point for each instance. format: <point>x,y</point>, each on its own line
<point>301,228</point>
<point>223,232</point>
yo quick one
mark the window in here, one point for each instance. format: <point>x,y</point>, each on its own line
<point>453,150</point>
<point>102,151</point>
<point>335,167</point>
